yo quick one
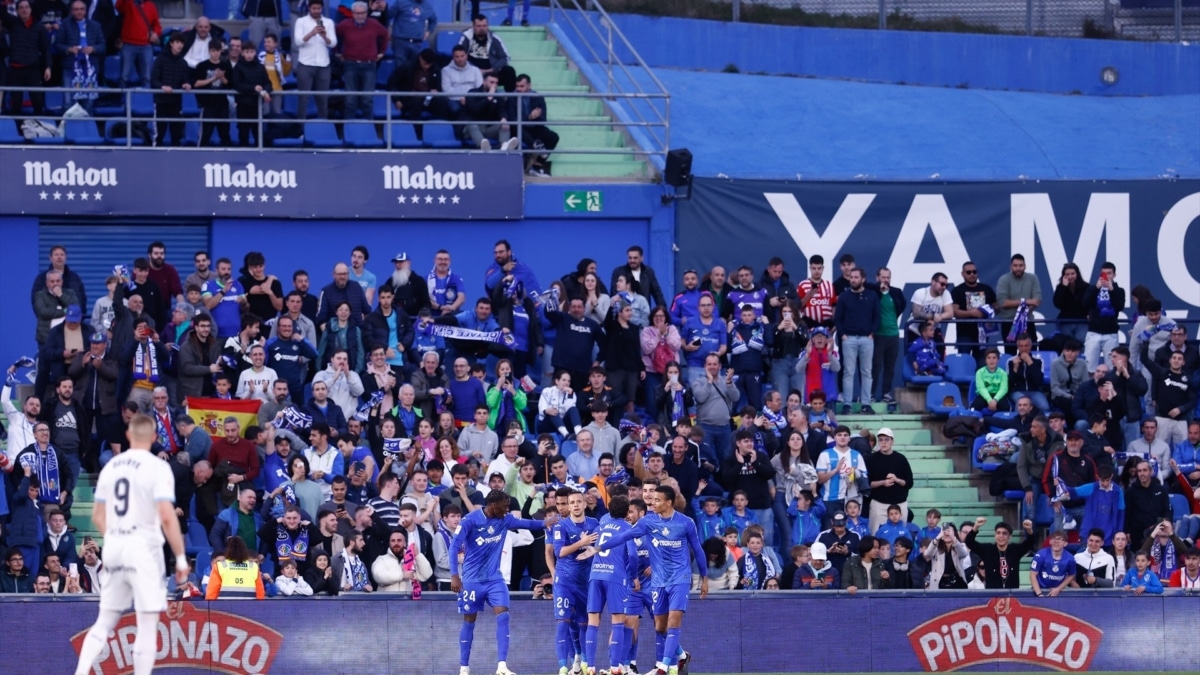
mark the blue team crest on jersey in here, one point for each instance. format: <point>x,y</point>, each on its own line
<point>491,530</point>
<point>704,331</point>
<point>666,531</point>
<point>558,534</point>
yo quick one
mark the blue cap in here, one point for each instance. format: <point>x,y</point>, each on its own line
<point>74,315</point>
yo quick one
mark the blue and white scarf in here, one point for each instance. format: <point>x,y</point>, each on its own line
<point>140,370</point>
<point>123,272</point>
<point>45,466</point>
<point>618,477</point>
<point>1020,322</point>
<point>23,362</point>
<point>1104,306</point>
<point>395,447</point>
<point>752,570</point>
<point>357,571</point>
<point>778,420</point>
<point>289,547</point>
<point>549,297</point>
<point>293,419</point>
<point>83,77</point>
<point>364,410</point>
<point>988,329</point>
<point>460,333</point>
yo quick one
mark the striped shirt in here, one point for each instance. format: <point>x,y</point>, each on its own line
<point>389,512</point>
<point>820,306</point>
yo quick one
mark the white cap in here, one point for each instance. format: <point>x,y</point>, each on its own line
<point>885,431</point>
<point>818,551</point>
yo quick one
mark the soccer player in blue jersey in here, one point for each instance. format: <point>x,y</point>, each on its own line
<point>610,585</point>
<point>481,538</point>
<point>673,545</point>
<point>639,599</point>
<point>570,536</point>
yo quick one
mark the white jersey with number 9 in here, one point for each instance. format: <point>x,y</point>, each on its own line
<point>130,487</point>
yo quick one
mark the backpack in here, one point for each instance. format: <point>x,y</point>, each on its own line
<point>661,356</point>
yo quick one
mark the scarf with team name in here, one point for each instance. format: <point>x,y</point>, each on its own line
<point>142,370</point>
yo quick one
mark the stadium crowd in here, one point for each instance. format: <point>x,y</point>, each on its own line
<point>348,46</point>
<point>388,406</point>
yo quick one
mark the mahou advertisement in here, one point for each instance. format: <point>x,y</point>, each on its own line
<point>880,631</point>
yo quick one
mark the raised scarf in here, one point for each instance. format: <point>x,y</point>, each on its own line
<point>45,465</point>
<point>410,565</point>
<point>140,370</point>
<point>357,571</point>
<point>289,547</point>
<point>1020,322</point>
<point>83,78</point>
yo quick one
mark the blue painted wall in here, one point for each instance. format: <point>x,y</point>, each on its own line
<point>1059,65</point>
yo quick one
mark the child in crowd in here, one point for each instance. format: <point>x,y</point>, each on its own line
<point>806,512</point>
<point>224,386</point>
<point>1140,579</point>
<point>893,529</point>
<point>854,520</point>
<point>923,353</point>
<point>737,515</point>
<point>817,360</point>
<point>290,583</point>
<point>991,384</point>
<point>933,526</point>
<point>192,293</point>
<point>709,523</point>
<point>731,543</point>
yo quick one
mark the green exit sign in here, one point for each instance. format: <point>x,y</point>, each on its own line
<point>583,201</point>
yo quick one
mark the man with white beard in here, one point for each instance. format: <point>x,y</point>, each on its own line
<point>411,291</point>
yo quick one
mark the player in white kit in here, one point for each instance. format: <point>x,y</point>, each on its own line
<point>135,507</point>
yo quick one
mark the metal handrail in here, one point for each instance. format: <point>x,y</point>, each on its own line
<point>129,117</point>
<point>606,34</point>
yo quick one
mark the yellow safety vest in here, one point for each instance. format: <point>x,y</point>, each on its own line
<point>238,580</point>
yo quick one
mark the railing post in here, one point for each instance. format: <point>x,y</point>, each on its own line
<point>609,26</point>
<point>1179,20</point>
<point>882,14</point>
<point>1029,17</point>
<point>737,10</point>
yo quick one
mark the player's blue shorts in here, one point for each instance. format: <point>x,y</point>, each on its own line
<point>570,601</point>
<point>638,602</point>
<point>669,599</point>
<point>473,596</point>
<point>611,594</point>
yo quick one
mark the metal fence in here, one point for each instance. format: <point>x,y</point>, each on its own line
<point>121,114</point>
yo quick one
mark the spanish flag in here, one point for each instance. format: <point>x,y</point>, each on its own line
<point>210,413</point>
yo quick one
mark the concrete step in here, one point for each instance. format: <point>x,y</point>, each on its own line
<point>942,494</point>
<point>598,166</point>
<point>931,466</point>
<point>592,137</point>
<point>518,34</point>
<point>522,51</point>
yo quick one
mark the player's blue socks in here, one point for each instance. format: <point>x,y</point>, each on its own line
<point>502,636</point>
<point>616,645</point>
<point>672,647</point>
<point>577,632</point>
<point>466,635</point>
<point>589,644</point>
<point>660,641</point>
<point>562,643</point>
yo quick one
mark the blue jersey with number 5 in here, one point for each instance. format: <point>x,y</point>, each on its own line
<point>673,543</point>
<point>620,563</point>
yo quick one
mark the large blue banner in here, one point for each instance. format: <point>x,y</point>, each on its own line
<point>391,185</point>
<point>726,633</point>
<point>1149,229</point>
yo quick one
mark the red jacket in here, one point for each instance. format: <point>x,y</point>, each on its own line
<point>243,454</point>
<point>136,29</point>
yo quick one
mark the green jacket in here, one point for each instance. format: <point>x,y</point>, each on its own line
<point>991,385</point>
<point>520,400</point>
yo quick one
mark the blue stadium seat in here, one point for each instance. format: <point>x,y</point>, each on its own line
<point>361,136</point>
<point>446,41</point>
<point>379,106</point>
<point>197,540</point>
<point>912,378</point>
<point>190,107</point>
<point>567,448</point>
<point>403,135</point>
<point>386,67</point>
<point>9,133</point>
<point>83,132</point>
<point>142,104</point>
<point>1047,358</point>
<point>203,563</point>
<point>1015,495</point>
<point>960,368</point>
<point>1043,514</point>
<point>1003,416</point>
<point>440,136</point>
<point>1004,359</point>
<point>1179,506</point>
<point>56,103</point>
<point>321,135</point>
<point>110,129</point>
<point>981,466</point>
<point>112,70</point>
<point>943,398</point>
